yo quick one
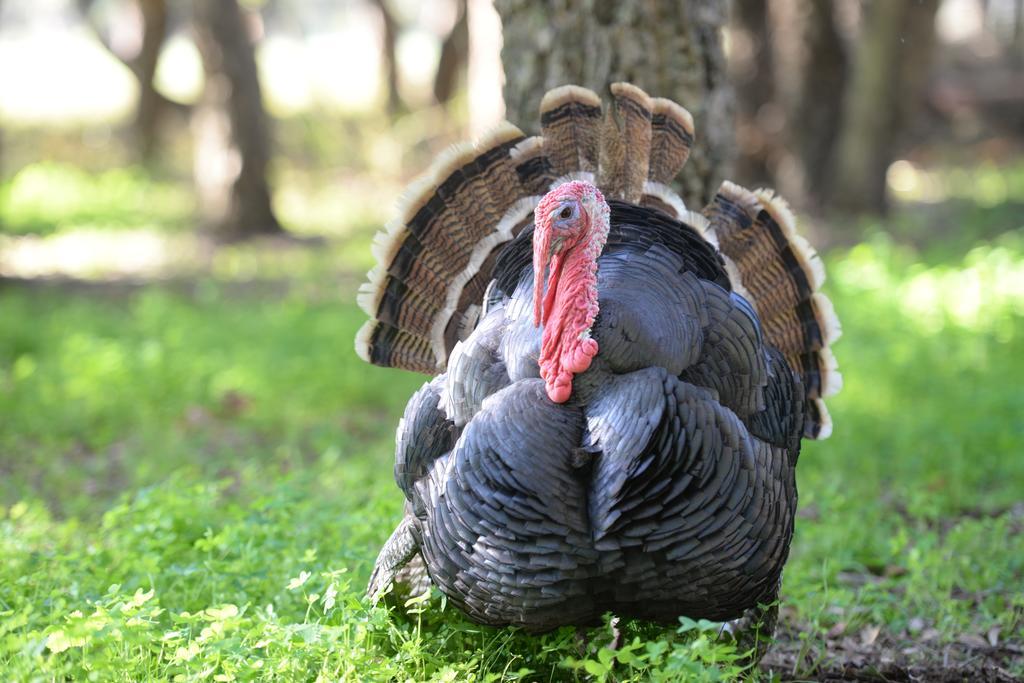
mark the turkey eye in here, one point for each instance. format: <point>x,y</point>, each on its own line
<point>565,213</point>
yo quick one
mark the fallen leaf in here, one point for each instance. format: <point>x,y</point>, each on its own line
<point>836,630</point>
<point>196,416</point>
<point>869,634</point>
<point>233,403</point>
<point>972,640</point>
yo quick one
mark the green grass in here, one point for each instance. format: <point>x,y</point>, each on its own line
<point>911,513</point>
<point>49,197</point>
<point>257,449</point>
<point>194,485</point>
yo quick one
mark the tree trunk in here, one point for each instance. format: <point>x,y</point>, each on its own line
<point>389,42</point>
<point>147,116</point>
<point>1,138</point>
<point>818,116</point>
<point>890,68</point>
<point>917,52</point>
<point>454,51</point>
<point>670,48</point>
<point>152,105</point>
<point>230,127</point>
<point>753,75</point>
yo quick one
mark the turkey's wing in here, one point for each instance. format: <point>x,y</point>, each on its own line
<point>692,515</point>
<point>475,369</point>
<point>424,434</point>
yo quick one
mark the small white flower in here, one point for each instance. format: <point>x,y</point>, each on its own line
<point>329,595</point>
<point>299,580</point>
<point>222,612</point>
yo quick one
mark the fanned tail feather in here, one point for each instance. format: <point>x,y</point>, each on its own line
<point>533,167</point>
<point>671,140</point>
<point>435,260</point>
<point>570,118</point>
<point>625,143</point>
<point>782,274</point>
<point>423,256</point>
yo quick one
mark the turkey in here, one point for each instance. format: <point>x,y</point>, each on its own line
<point>621,384</point>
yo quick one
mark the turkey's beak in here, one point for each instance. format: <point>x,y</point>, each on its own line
<point>547,257</point>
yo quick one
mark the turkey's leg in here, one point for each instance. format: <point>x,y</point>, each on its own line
<point>755,630</point>
<point>399,549</point>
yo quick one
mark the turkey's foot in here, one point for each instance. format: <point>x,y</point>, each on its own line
<point>613,626</point>
<point>754,631</point>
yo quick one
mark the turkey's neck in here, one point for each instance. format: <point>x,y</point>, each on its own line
<point>566,345</point>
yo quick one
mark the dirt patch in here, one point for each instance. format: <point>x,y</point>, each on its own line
<point>874,655</point>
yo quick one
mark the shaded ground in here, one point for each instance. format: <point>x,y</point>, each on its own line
<point>876,655</point>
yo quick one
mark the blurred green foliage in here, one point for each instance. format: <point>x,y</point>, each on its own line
<point>48,197</point>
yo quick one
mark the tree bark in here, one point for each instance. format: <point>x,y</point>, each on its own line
<point>1,136</point>
<point>230,127</point>
<point>454,51</point>
<point>148,114</point>
<point>818,116</point>
<point>670,48</point>
<point>389,42</point>
<point>753,75</point>
<point>152,104</point>
<point>889,71</point>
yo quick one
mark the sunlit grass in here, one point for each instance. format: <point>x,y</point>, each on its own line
<point>987,185</point>
<point>49,197</point>
<point>983,293</point>
<point>71,216</point>
<point>911,512</point>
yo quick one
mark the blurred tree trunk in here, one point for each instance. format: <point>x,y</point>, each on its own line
<point>670,48</point>
<point>230,127</point>
<point>1,135</point>
<point>151,105</point>
<point>889,72</point>
<point>390,39</point>
<point>753,75</point>
<point>818,116</point>
<point>147,116</point>
<point>454,51</point>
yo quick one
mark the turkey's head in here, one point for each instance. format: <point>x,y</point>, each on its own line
<point>570,228</point>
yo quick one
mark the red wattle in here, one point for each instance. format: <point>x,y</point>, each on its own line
<point>566,347</point>
<point>555,271</point>
<point>569,306</point>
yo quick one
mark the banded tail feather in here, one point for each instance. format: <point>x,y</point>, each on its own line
<point>782,274</point>
<point>671,140</point>
<point>570,119</point>
<point>450,220</point>
<point>625,143</point>
<point>536,174</point>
